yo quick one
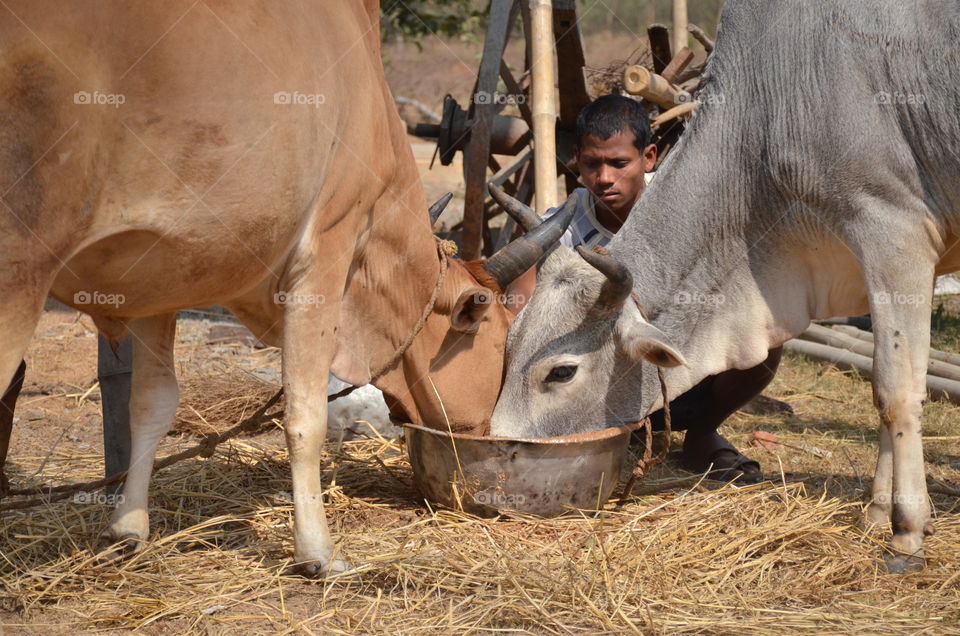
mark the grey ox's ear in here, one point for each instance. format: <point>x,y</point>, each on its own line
<point>642,340</point>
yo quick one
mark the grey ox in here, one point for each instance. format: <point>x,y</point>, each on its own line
<point>819,177</point>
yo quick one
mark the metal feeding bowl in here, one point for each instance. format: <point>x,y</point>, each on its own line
<point>489,475</point>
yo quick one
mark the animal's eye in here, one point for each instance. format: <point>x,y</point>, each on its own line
<point>562,374</point>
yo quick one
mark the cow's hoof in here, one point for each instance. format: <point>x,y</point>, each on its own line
<point>111,549</point>
<point>903,563</point>
<point>876,516</point>
<point>334,568</point>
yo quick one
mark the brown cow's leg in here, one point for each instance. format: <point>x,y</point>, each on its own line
<point>7,406</point>
<point>309,343</point>
<point>153,404</point>
<point>702,409</point>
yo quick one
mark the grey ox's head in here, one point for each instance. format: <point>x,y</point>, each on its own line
<point>573,359</point>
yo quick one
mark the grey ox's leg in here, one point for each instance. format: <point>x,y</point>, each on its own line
<point>153,404</point>
<point>900,293</point>
<point>309,342</point>
<point>21,305</point>
<point>114,372</point>
<point>7,407</point>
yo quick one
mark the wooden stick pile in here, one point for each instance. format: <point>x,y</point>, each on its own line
<point>847,347</point>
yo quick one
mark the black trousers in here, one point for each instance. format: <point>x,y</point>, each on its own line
<point>702,409</point>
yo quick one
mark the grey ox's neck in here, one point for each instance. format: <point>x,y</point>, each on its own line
<point>708,268</point>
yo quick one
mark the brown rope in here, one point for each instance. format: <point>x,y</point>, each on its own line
<point>443,249</point>
<point>647,461</point>
<point>209,443</point>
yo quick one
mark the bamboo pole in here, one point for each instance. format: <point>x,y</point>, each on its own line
<point>937,388</point>
<point>679,24</point>
<point>639,81</point>
<point>860,334</point>
<point>827,336</point>
<point>544,105</point>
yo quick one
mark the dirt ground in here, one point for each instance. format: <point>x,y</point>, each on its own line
<point>785,556</point>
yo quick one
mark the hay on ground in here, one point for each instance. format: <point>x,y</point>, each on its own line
<point>761,559</point>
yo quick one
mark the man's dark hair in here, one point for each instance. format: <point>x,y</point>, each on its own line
<point>606,116</point>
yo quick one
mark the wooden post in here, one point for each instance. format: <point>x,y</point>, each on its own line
<point>483,109</point>
<point>677,65</point>
<point>573,94</point>
<point>544,105</point>
<point>659,46</point>
<point>679,24</point>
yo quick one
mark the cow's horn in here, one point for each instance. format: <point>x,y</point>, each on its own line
<point>437,208</point>
<point>523,253</point>
<point>619,281</point>
<point>522,214</point>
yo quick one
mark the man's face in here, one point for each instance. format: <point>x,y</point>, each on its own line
<point>613,169</point>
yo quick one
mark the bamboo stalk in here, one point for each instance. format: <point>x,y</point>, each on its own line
<point>937,388</point>
<point>677,111</point>
<point>544,106</point>
<point>827,336</point>
<point>639,81</point>
<point>679,24</point>
<point>866,336</point>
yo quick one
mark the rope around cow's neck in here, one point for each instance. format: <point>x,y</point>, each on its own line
<point>647,461</point>
<point>210,441</point>
<point>443,249</point>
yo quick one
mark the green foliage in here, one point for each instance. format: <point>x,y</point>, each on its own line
<point>416,19</point>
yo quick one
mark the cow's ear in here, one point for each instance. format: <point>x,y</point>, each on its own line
<point>472,304</point>
<point>642,340</point>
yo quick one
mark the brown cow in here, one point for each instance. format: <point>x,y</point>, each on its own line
<point>157,156</point>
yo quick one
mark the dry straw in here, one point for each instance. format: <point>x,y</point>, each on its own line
<point>760,559</point>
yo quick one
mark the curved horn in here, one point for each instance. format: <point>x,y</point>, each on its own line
<point>524,252</point>
<point>437,208</point>
<point>522,214</point>
<point>619,281</point>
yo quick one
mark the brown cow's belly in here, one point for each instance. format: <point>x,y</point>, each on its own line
<point>141,273</point>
